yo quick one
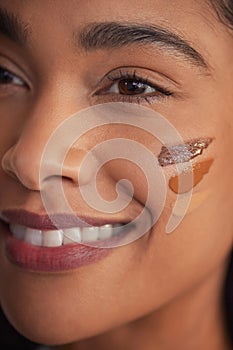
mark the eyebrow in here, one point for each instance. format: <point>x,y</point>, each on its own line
<point>12,27</point>
<point>110,35</point>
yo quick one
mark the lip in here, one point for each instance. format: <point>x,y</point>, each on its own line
<point>54,221</point>
<point>46,259</point>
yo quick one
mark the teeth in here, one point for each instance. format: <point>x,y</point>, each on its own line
<point>90,234</point>
<point>56,238</point>
<point>33,236</point>
<point>52,238</point>
<point>105,231</point>
<point>72,235</point>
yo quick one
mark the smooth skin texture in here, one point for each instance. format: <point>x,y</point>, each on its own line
<point>162,291</point>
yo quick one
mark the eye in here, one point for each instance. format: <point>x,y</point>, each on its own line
<point>130,87</point>
<point>9,78</point>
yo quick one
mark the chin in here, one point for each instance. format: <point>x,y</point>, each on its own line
<point>45,330</point>
<point>50,323</point>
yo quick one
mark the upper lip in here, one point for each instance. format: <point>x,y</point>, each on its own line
<point>53,221</point>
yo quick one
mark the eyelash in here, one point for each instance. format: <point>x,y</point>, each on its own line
<point>4,72</point>
<point>159,93</point>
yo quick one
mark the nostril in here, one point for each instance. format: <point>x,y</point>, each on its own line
<point>30,169</point>
<point>80,166</point>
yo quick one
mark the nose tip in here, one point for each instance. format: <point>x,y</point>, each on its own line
<point>25,165</point>
<point>21,168</point>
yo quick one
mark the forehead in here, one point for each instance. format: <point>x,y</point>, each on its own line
<point>35,17</point>
<point>68,12</point>
<point>51,25</point>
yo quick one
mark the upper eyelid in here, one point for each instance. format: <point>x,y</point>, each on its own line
<point>132,69</point>
<point>127,75</point>
<point>10,64</point>
<point>120,74</point>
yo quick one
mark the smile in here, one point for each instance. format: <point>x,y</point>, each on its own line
<point>56,238</point>
<point>33,242</point>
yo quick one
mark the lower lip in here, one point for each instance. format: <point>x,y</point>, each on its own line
<point>45,259</point>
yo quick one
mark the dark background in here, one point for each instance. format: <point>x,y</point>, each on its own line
<point>12,340</point>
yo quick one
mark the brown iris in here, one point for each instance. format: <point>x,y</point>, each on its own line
<point>131,87</point>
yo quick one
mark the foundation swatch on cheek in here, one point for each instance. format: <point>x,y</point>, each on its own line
<point>183,153</point>
<point>176,154</point>
<point>181,183</point>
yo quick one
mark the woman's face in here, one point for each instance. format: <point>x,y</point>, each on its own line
<point>181,67</point>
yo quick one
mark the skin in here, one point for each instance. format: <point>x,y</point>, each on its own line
<point>161,291</point>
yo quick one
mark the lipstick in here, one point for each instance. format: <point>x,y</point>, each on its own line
<point>34,250</point>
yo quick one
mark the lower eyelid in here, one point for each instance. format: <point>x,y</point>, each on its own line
<point>146,99</point>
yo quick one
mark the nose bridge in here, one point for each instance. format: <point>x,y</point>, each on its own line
<point>23,159</point>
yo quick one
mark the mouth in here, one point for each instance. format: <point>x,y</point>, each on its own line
<point>56,238</point>
<point>56,243</point>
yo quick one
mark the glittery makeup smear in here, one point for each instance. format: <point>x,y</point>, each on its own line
<point>182,153</point>
<point>199,171</point>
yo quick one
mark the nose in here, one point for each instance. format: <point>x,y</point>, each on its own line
<point>22,161</point>
<point>24,164</point>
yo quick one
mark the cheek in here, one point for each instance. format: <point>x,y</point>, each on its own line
<point>125,170</point>
<point>13,112</point>
<point>8,134</point>
<point>203,240</point>
<point>181,184</point>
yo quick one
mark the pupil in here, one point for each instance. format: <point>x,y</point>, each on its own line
<point>131,87</point>
<point>5,77</point>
